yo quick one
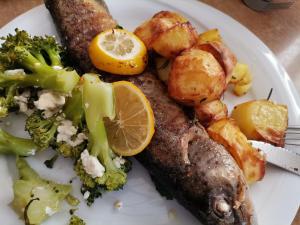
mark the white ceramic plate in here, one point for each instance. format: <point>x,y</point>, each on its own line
<point>276,198</point>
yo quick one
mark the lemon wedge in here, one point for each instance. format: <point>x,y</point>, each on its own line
<point>118,51</point>
<point>133,127</point>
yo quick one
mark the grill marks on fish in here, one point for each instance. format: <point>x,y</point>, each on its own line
<point>201,174</point>
<point>79,21</point>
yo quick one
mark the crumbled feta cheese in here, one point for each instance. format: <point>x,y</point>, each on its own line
<point>86,195</point>
<point>66,131</point>
<point>14,72</point>
<point>118,204</point>
<point>57,67</point>
<point>119,161</point>
<point>32,152</point>
<point>22,101</point>
<point>91,164</point>
<point>49,211</point>
<point>50,101</point>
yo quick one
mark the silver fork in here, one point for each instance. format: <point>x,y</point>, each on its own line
<point>292,137</point>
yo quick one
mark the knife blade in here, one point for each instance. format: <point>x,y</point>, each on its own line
<point>281,157</point>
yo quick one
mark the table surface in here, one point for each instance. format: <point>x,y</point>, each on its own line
<point>278,29</point>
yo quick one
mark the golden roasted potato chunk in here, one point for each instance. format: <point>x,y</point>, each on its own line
<point>196,77</point>
<point>262,120</point>
<point>241,78</point>
<point>174,40</point>
<point>168,33</point>
<point>163,68</point>
<point>209,36</point>
<point>223,55</point>
<point>209,112</point>
<point>250,160</point>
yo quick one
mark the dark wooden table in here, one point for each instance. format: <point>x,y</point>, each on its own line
<point>278,29</point>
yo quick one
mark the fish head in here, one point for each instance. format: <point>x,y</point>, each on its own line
<point>226,209</point>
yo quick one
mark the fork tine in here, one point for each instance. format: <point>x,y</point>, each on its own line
<point>293,135</point>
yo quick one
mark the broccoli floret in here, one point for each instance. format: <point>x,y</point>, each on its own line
<point>40,59</point>
<point>7,102</point>
<point>10,144</point>
<point>41,130</point>
<point>99,98</point>
<point>47,194</point>
<point>73,109</point>
<point>75,220</point>
<point>69,151</point>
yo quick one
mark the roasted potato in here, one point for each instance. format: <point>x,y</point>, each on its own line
<point>196,77</point>
<point>209,36</point>
<point>209,112</point>
<point>262,120</point>
<point>223,55</point>
<point>163,68</point>
<point>168,33</point>
<point>241,78</point>
<point>250,160</point>
<point>174,40</point>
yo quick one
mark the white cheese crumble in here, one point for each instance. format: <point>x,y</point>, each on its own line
<point>14,72</point>
<point>57,67</point>
<point>22,101</point>
<point>91,164</point>
<point>86,195</point>
<point>119,161</point>
<point>65,132</point>
<point>49,211</point>
<point>118,204</point>
<point>50,101</point>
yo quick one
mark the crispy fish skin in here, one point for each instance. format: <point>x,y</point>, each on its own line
<point>79,21</point>
<point>200,174</point>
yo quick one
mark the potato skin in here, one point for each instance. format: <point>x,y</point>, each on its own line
<point>250,160</point>
<point>174,40</point>
<point>262,120</point>
<point>209,112</point>
<point>223,55</point>
<point>168,33</point>
<point>196,77</point>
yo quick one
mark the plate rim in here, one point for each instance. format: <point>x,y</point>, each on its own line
<point>283,75</point>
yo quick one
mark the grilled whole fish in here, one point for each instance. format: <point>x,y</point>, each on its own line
<point>198,172</point>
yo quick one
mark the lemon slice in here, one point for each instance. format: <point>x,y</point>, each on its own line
<point>118,51</point>
<point>133,127</point>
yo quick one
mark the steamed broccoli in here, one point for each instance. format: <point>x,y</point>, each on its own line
<point>75,220</point>
<point>99,98</point>
<point>35,198</point>
<point>40,58</point>
<point>73,109</point>
<point>41,130</point>
<point>10,144</point>
<point>7,100</point>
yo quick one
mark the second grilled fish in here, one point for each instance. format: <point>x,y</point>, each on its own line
<point>199,173</point>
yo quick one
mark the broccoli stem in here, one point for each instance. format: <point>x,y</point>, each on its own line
<point>26,172</point>
<point>54,57</point>
<point>73,108</point>
<point>10,144</point>
<point>100,147</point>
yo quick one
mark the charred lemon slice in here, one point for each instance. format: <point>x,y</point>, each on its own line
<point>118,51</point>
<point>133,127</point>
